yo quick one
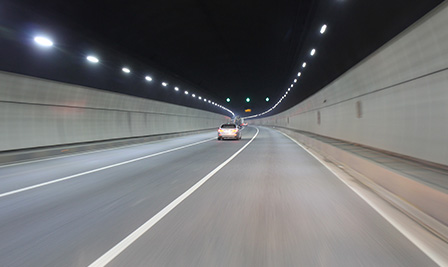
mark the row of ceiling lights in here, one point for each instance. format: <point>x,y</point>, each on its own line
<point>299,74</point>
<point>47,42</point>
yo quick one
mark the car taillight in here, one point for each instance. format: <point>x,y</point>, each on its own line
<point>235,130</point>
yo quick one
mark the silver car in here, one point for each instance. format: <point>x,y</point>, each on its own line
<point>229,131</point>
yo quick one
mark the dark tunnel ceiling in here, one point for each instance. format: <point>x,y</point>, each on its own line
<point>239,49</point>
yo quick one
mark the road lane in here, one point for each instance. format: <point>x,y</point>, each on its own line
<point>20,175</point>
<point>130,239</point>
<point>274,205</point>
<point>73,222</point>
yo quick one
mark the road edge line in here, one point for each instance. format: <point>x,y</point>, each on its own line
<point>397,225</point>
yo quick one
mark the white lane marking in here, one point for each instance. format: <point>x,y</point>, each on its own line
<point>100,169</point>
<point>120,247</point>
<point>84,153</point>
<point>393,221</point>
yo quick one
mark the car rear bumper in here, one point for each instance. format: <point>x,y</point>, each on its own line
<point>228,136</point>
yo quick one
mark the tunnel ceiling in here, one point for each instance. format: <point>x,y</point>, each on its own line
<point>235,49</point>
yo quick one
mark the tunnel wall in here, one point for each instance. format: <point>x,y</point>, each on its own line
<point>37,113</point>
<point>395,100</point>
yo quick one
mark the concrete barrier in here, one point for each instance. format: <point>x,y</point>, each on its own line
<point>428,199</point>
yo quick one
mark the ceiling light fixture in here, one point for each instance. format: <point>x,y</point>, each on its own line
<point>323,29</point>
<point>43,41</point>
<point>93,59</point>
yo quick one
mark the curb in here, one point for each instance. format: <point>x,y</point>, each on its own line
<point>425,205</point>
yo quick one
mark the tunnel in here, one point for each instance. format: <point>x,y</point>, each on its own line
<point>244,133</point>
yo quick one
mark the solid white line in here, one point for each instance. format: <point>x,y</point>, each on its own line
<point>82,153</point>
<point>395,223</point>
<point>99,169</point>
<point>120,247</point>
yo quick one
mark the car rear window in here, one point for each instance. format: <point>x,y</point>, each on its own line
<point>228,126</point>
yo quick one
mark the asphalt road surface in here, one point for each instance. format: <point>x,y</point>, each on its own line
<point>174,203</point>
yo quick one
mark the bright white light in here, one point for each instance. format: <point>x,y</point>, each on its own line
<point>304,65</point>
<point>289,89</point>
<point>126,70</point>
<point>176,88</point>
<point>292,85</point>
<point>164,84</point>
<point>205,99</point>
<point>43,41</point>
<point>200,97</point>
<point>299,74</point>
<point>186,92</point>
<point>193,95</point>
<point>148,78</point>
<point>93,59</point>
<point>313,52</point>
<point>295,80</point>
<point>209,101</point>
<point>324,27</point>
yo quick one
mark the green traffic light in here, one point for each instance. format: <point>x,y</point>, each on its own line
<point>248,100</point>
<point>267,99</point>
<point>228,100</point>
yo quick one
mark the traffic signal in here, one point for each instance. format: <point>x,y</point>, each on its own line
<point>228,100</point>
<point>248,100</point>
<point>267,99</point>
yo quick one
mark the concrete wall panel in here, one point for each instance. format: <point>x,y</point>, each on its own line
<point>36,112</point>
<point>394,100</point>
